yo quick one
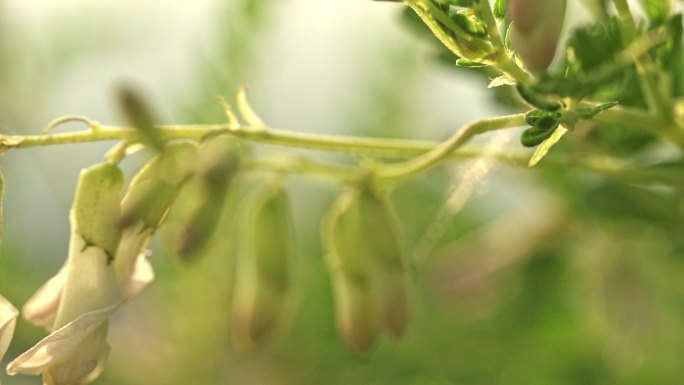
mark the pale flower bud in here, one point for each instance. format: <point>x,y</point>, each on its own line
<point>75,351</point>
<point>263,267</point>
<point>8,319</point>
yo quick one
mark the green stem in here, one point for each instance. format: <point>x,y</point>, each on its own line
<point>503,61</point>
<point>396,172</point>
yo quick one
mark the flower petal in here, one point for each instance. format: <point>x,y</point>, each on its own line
<point>41,308</point>
<point>60,344</point>
<point>142,275</point>
<point>8,319</point>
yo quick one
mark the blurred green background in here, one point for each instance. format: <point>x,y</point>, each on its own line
<point>546,276</point>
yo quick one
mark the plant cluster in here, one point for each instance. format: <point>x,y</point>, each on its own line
<point>617,73</point>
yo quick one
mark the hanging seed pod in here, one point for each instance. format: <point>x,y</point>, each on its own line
<point>380,231</point>
<point>536,27</point>
<point>155,187</point>
<point>219,165</point>
<point>356,309</point>
<point>264,267</point>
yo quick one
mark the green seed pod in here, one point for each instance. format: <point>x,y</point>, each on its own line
<point>356,311</point>
<point>219,165</point>
<point>264,267</point>
<point>382,243</point>
<point>96,210</point>
<point>536,27</point>
<point>155,187</point>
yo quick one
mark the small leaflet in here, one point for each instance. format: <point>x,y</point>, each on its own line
<point>546,145</point>
<point>503,80</point>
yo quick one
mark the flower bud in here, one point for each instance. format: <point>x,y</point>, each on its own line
<point>380,231</point>
<point>536,27</point>
<point>96,209</point>
<point>8,320</point>
<point>75,351</point>
<point>155,187</point>
<point>263,276</point>
<point>201,210</point>
<point>356,312</point>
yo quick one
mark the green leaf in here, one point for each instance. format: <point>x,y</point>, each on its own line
<point>534,136</point>
<point>587,112</point>
<point>657,10</point>
<point>536,99</point>
<point>595,45</point>
<point>546,145</point>
<point>470,21</point>
<point>469,63</point>
<point>499,9</point>
<point>534,117</point>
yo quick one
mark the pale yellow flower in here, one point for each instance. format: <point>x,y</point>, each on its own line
<point>8,317</point>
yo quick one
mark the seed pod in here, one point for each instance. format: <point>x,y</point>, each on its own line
<point>155,187</point>
<point>380,231</point>
<point>219,165</point>
<point>355,299</point>
<point>536,27</point>
<point>263,268</point>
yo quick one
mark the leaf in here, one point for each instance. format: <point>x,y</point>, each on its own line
<point>595,45</point>
<point>499,9</point>
<point>544,148</point>
<point>534,117</point>
<point>469,63</point>
<point>657,10</point>
<point>586,112</point>
<point>503,80</point>
<point>470,21</point>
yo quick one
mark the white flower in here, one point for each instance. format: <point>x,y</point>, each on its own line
<point>76,350</point>
<point>8,317</point>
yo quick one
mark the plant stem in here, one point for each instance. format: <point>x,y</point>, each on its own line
<point>503,62</point>
<point>396,172</point>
